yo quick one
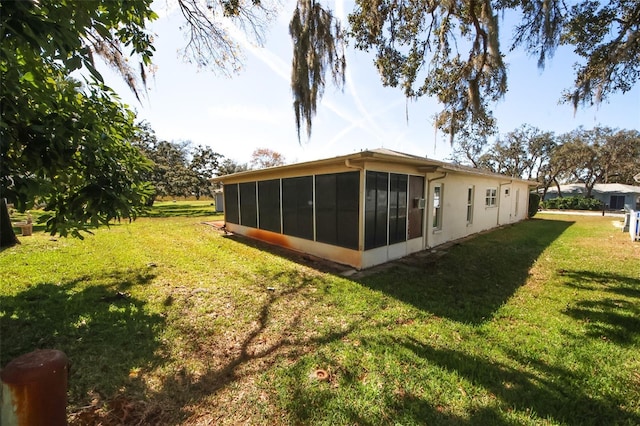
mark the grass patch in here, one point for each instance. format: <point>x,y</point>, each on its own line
<point>167,321</point>
<point>182,209</point>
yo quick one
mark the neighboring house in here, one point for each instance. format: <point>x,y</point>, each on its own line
<point>615,196</point>
<point>370,207</point>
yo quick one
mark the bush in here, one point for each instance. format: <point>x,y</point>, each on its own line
<point>573,203</point>
<point>534,203</point>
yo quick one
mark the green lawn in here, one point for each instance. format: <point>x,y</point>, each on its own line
<point>167,321</point>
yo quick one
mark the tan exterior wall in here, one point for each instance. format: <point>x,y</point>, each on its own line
<point>336,254</point>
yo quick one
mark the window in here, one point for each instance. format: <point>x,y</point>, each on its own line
<point>470,192</point>
<point>397,208</point>
<point>269,205</point>
<point>616,202</point>
<point>231,210</point>
<point>297,207</point>
<point>375,210</point>
<point>337,208</point>
<point>437,206</point>
<point>491,197</point>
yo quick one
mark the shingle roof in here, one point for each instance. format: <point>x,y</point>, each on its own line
<point>579,188</point>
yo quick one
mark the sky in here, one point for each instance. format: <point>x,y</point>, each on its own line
<point>253,109</point>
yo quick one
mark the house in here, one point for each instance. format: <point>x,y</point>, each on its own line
<point>369,207</point>
<point>615,196</point>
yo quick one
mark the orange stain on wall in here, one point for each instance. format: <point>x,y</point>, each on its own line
<point>269,237</point>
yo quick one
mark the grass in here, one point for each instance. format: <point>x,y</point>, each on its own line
<point>167,321</point>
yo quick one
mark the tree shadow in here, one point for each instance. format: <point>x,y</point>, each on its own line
<point>551,392</point>
<point>469,281</point>
<point>615,318</point>
<point>277,330</point>
<point>104,331</point>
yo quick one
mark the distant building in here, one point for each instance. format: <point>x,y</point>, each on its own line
<point>615,196</point>
<point>370,207</point>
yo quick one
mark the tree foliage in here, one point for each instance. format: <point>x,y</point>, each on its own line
<point>262,158</point>
<point>318,47</point>
<point>179,168</point>
<point>63,143</point>
<point>229,166</point>
<point>598,155</point>
<point>210,44</point>
<point>450,50</point>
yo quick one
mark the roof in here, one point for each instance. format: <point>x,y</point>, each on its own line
<point>579,188</point>
<point>422,164</point>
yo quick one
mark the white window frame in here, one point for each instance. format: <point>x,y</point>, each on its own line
<point>491,197</point>
<point>470,196</point>
<point>438,189</point>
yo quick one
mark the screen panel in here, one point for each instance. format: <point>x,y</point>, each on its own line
<point>269,205</point>
<point>397,208</point>
<point>337,209</point>
<point>248,205</point>
<point>377,188</point>
<point>416,211</point>
<point>231,212</point>
<point>297,207</point>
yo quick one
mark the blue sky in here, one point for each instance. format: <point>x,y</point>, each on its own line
<point>254,108</point>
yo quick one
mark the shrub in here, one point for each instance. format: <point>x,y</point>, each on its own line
<point>573,203</point>
<point>534,203</point>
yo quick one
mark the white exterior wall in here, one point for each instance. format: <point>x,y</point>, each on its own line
<point>454,200</point>
<point>384,254</point>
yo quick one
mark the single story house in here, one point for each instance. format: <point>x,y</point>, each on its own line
<point>369,207</point>
<point>615,196</point>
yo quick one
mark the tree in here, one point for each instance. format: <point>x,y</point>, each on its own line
<point>204,165</point>
<point>522,152</point>
<point>263,158</point>
<point>64,143</point>
<point>450,50</point>
<point>179,170</point>
<point>209,43</point>
<point>229,166</point>
<point>470,145</point>
<point>598,155</point>
<point>318,46</point>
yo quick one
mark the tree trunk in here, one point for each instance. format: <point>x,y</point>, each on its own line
<point>7,236</point>
<point>558,186</point>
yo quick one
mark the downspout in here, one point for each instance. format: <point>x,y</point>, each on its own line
<point>348,164</point>
<point>500,198</point>
<point>426,227</point>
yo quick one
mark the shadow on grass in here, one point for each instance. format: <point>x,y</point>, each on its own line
<point>102,329</point>
<point>555,393</point>
<point>276,330</point>
<point>615,318</point>
<point>474,278</point>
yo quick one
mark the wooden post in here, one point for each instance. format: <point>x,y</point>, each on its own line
<point>34,389</point>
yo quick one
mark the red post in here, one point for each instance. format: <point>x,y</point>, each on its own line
<point>34,389</point>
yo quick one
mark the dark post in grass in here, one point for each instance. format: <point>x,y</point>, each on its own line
<point>34,389</point>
